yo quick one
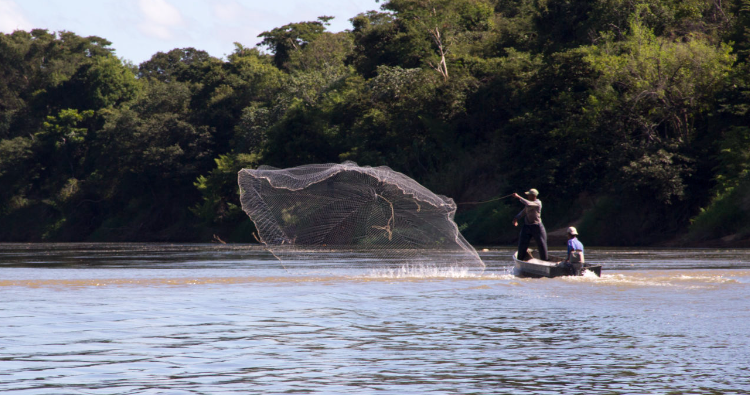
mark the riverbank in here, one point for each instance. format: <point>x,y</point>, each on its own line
<point>559,237</point>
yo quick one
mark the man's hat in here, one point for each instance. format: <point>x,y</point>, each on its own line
<point>533,191</point>
<point>573,231</point>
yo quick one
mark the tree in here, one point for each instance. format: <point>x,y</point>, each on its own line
<point>224,89</point>
<point>220,198</point>
<point>103,82</point>
<point>62,134</point>
<point>179,64</point>
<point>33,64</point>
<point>433,27</point>
<point>654,90</point>
<point>284,40</point>
<point>14,171</point>
<point>373,36</point>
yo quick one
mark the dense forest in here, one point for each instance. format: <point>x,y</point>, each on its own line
<point>631,117</point>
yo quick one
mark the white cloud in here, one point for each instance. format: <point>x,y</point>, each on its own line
<point>11,17</point>
<point>236,22</point>
<point>156,31</point>
<point>229,11</point>
<point>161,19</point>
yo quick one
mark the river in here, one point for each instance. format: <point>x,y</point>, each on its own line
<point>229,319</point>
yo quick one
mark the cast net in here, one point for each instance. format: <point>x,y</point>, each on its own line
<point>350,215</point>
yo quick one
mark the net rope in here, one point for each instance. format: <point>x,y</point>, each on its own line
<point>386,217</point>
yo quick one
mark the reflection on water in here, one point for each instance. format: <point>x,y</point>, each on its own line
<point>207,319</point>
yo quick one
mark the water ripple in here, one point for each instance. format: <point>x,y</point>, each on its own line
<point>204,326</point>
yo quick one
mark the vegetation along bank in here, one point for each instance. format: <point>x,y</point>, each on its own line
<point>630,117</point>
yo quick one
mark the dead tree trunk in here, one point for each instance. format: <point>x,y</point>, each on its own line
<point>441,67</point>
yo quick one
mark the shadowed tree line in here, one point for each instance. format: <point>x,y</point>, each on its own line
<point>630,116</point>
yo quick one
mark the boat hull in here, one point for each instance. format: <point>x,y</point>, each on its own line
<point>538,268</point>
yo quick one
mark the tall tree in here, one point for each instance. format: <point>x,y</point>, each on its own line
<point>284,40</point>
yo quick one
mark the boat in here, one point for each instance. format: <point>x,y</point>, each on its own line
<point>535,267</point>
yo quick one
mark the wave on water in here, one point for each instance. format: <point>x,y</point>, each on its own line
<point>436,272</point>
<point>700,280</point>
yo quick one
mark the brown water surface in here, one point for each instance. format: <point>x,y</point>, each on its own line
<point>216,319</point>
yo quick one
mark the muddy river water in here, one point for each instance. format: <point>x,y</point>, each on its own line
<point>228,319</point>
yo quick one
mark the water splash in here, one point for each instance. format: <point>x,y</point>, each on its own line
<point>423,271</point>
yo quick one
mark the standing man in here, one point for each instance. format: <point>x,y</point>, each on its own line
<point>532,224</point>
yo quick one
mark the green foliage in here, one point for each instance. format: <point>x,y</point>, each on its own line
<point>488,224</point>
<point>33,67</point>
<point>732,144</point>
<point>659,175</point>
<point>219,189</point>
<point>638,107</point>
<point>437,33</point>
<point>734,158</point>
<point>728,214</point>
<point>63,127</point>
<point>373,35</point>
<point>663,82</point>
<point>162,146</point>
<point>108,83</point>
<point>13,152</point>
<point>14,157</point>
<point>739,31</point>
<point>327,50</point>
<point>284,41</point>
<point>179,64</point>
<point>653,90</point>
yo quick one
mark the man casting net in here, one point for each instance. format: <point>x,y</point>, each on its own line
<point>372,216</point>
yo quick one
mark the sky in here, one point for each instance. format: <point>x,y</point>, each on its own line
<point>138,29</point>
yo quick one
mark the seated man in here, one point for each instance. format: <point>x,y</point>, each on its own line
<point>575,251</point>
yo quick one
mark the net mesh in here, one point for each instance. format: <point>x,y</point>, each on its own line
<point>368,216</point>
